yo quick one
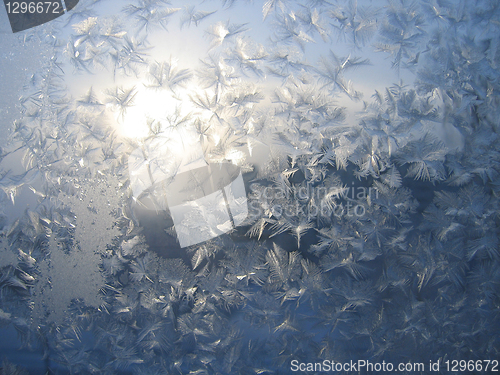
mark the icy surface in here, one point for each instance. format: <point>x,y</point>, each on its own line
<point>367,137</point>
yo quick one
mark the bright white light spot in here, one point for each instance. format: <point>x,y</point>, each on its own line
<point>148,105</point>
<point>155,106</point>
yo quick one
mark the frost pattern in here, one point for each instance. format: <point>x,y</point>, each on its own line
<point>7,257</point>
<point>405,255</point>
<point>72,272</point>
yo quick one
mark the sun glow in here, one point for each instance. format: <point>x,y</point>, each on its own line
<point>153,111</point>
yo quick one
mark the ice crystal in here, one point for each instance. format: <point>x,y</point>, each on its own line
<point>221,32</point>
<point>402,30</point>
<point>273,5</point>
<point>426,157</point>
<point>150,14</point>
<point>166,75</point>
<point>191,15</point>
<point>356,23</point>
<point>332,72</point>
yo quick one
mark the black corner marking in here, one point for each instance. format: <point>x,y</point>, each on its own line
<point>70,4</point>
<point>25,14</point>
